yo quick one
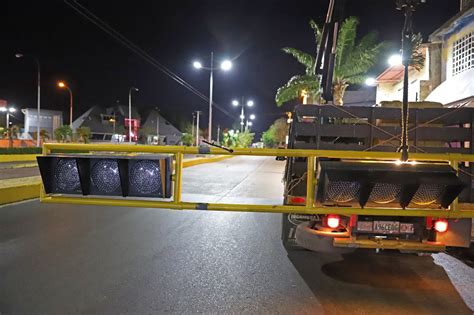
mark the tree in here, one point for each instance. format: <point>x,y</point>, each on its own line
<point>230,138</point>
<point>11,133</point>
<point>237,139</point>
<point>187,139</point>
<point>63,133</point>
<point>268,138</point>
<point>84,134</point>
<point>309,82</point>
<point>245,139</point>
<point>276,134</point>
<point>44,135</point>
<point>352,62</point>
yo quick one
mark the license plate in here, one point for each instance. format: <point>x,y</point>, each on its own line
<point>387,227</point>
<point>407,228</point>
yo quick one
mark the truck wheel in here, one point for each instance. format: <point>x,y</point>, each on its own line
<point>310,239</point>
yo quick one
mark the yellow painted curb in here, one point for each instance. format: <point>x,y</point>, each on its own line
<point>198,161</point>
<point>29,191</point>
<point>19,193</point>
<point>17,157</point>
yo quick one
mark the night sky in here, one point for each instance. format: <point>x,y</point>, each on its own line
<point>100,70</point>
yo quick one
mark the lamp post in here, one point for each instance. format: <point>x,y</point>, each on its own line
<point>130,112</point>
<point>198,112</point>
<point>226,65</point>
<point>249,122</point>
<point>19,55</point>
<point>249,103</point>
<point>8,111</point>
<point>63,85</point>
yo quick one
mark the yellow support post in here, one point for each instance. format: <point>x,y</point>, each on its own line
<point>178,177</point>
<point>454,205</point>
<point>310,182</point>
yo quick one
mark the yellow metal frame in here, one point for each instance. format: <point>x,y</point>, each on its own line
<point>454,211</point>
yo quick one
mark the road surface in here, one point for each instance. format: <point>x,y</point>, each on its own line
<point>84,259</point>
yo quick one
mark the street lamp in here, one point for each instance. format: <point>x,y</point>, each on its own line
<point>249,123</point>
<point>371,81</point>
<point>19,55</point>
<point>395,60</point>
<point>8,111</point>
<point>249,103</point>
<point>226,65</point>
<point>130,112</point>
<point>63,85</point>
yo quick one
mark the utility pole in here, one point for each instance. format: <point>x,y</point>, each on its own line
<point>198,112</point>
<point>192,128</point>
<point>218,134</point>
<point>158,125</point>
<point>211,79</point>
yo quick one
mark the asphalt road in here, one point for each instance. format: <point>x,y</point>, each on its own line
<point>83,259</point>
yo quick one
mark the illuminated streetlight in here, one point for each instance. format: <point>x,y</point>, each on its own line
<point>249,103</point>
<point>252,117</point>
<point>225,66</point>
<point>370,81</point>
<point>8,111</point>
<point>63,85</point>
<point>395,60</point>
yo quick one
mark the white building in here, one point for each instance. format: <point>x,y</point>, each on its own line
<point>448,73</point>
<point>49,121</point>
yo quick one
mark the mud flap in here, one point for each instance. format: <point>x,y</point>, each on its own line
<point>288,228</point>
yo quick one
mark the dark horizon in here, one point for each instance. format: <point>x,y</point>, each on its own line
<point>100,70</point>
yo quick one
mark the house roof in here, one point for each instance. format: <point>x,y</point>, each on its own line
<point>454,24</point>
<point>165,127</point>
<point>391,74</point>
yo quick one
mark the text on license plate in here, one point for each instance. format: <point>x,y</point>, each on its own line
<point>385,227</point>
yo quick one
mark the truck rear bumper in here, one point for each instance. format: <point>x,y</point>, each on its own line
<point>389,244</point>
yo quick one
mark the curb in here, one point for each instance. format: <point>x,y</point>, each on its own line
<point>31,191</point>
<point>198,161</point>
<point>18,157</point>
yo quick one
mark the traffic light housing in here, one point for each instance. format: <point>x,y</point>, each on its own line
<point>387,184</point>
<point>108,175</point>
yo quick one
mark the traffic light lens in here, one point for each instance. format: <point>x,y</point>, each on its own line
<point>66,176</point>
<point>145,177</point>
<point>105,176</point>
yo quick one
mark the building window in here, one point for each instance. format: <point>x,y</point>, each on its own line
<point>463,54</point>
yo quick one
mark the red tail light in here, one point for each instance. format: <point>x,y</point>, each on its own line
<point>441,225</point>
<point>333,221</point>
<point>297,200</point>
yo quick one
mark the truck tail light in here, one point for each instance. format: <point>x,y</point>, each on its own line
<point>333,221</point>
<point>441,225</point>
<point>297,200</point>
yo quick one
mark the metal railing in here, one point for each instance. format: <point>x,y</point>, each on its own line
<point>454,211</point>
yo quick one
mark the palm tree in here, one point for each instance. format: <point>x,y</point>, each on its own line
<point>298,84</point>
<point>353,60</point>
